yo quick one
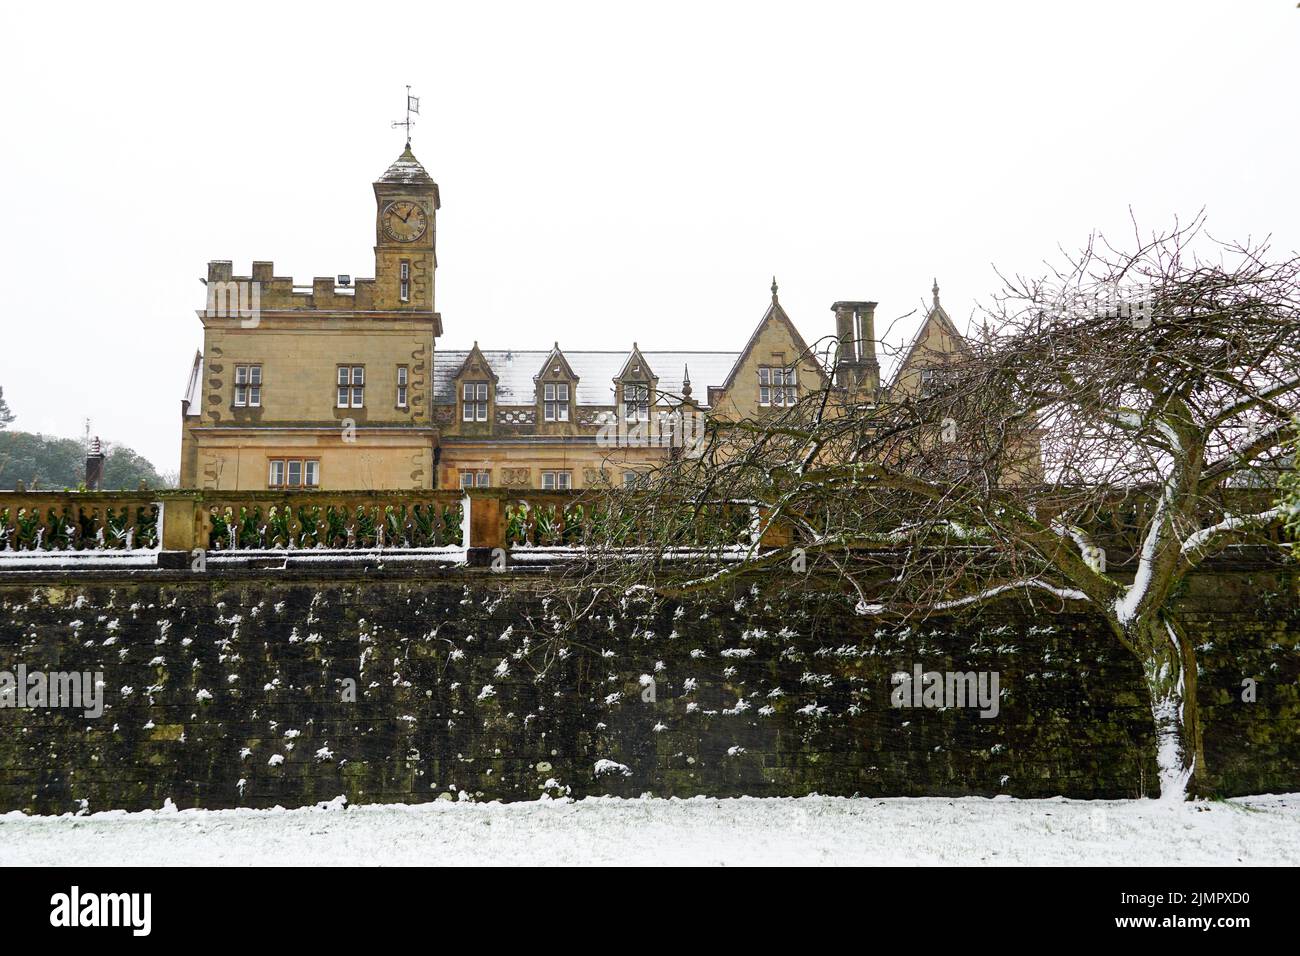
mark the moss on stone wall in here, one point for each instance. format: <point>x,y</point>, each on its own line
<point>235,691</point>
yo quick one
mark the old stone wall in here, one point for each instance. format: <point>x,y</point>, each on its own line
<point>259,688</point>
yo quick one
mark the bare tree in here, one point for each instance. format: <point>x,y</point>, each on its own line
<point>1116,423</point>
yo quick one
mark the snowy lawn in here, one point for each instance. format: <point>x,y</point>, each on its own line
<point>808,830</point>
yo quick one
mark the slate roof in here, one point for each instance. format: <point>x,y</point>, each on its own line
<point>407,169</point>
<point>595,370</point>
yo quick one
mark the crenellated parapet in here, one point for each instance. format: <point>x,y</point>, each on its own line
<point>237,296</point>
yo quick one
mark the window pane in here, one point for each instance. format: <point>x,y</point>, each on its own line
<point>401,375</point>
<point>239,394</point>
<point>295,472</point>
<point>763,375</point>
<point>484,479</point>
<point>481,391</point>
<point>467,479</point>
<point>255,375</point>
<point>358,375</point>
<point>549,393</point>
<point>241,374</point>
<point>343,398</point>
<point>564,477</point>
<point>562,392</point>
<point>312,473</point>
<point>277,473</point>
<point>401,396</point>
<point>343,375</point>
<point>467,413</point>
<point>255,395</point>
<point>481,411</point>
<point>548,480</point>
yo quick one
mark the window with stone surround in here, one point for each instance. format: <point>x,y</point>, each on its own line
<point>777,386</point>
<point>475,478</point>
<point>352,386</point>
<point>636,402</point>
<point>474,402</point>
<point>402,375</point>
<point>935,379</point>
<point>248,386</point>
<point>557,480</point>
<point>555,402</point>
<point>293,473</point>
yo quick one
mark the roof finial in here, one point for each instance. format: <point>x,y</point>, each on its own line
<point>773,288</point>
<point>686,382</point>
<point>935,289</point>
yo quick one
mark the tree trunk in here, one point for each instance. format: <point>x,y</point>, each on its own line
<point>1169,665</point>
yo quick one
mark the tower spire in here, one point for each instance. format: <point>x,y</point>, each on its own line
<point>773,288</point>
<point>935,291</point>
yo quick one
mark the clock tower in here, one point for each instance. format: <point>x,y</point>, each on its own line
<point>406,199</point>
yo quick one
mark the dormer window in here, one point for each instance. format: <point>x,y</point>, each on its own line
<point>555,402</point>
<point>636,402</point>
<point>474,402</point>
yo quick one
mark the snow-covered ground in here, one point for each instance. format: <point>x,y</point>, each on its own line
<point>806,830</point>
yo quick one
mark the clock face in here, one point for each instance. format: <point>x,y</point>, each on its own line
<point>404,220</point>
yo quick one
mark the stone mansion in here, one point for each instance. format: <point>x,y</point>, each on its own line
<point>342,386</point>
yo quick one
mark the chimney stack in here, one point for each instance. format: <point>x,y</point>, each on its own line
<point>94,465</point>
<point>855,327</point>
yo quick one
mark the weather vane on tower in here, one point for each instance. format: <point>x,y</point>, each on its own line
<point>412,106</point>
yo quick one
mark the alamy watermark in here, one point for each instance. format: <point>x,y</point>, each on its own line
<point>235,299</point>
<point>78,690</point>
<point>684,429</point>
<point>130,910</point>
<point>1132,303</point>
<point>947,689</point>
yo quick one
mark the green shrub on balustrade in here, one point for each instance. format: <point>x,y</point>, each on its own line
<point>73,527</point>
<point>279,526</point>
<point>365,528</point>
<point>453,517</point>
<point>574,521</point>
<point>516,524</point>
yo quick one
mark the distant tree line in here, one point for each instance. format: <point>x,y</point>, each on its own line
<point>41,461</point>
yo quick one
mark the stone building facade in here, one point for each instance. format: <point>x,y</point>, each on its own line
<point>340,385</point>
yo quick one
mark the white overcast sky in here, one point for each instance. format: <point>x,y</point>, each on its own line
<point>609,171</point>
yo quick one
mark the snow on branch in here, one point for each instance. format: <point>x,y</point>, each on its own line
<point>1206,541</point>
<point>1066,594</point>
